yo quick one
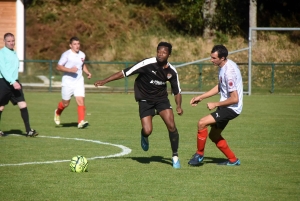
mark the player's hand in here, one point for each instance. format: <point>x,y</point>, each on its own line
<point>195,101</point>
<point>99,83</point>
<point>73,69</point>
<point>179,111</point>
<point>89,75</point>
<point>211,106</point>
<point>17,86</point>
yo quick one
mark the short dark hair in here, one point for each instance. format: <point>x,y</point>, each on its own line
<point>166,44</point>
<point>221,49</point>
<point>8,34</point>
<point>74,38</point>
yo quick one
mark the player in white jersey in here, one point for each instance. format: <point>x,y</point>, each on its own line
<point>72,64</point>
<point>230,87</point>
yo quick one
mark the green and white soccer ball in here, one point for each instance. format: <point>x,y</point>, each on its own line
<point>79,164</point>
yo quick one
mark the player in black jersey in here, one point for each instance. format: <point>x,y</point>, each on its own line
<point>150,89</point>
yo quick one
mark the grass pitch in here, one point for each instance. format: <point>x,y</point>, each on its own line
<point>265,137</point>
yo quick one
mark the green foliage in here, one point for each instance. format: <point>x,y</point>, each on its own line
<point>278,13</point>
<point>74,2</point>
<point>114,30</point>
<point>189,16</point>
<point>49,17</point>
<point>45,2</point>
<point>220,38</point>
<point>231,17</point>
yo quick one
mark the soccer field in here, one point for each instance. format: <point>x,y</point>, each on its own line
<point>265,137</point>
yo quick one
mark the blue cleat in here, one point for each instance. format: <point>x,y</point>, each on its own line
<point>176,162</point>
<point>196,160</point>
<point>235,163</point>
<point>144,143</point>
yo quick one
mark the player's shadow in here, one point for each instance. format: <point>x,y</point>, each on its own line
<point>72,124</point>
<point>213,160</point>
<point>15,132</point>
<point>147,160</point>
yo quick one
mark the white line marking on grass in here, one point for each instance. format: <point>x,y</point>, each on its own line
<point>125,151</point>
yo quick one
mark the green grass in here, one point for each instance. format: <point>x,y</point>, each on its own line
<point>265,137</point>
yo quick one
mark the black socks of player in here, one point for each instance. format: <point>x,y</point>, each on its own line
<point>174,139</point>
<point>142,132</point>
<point>25,117</point>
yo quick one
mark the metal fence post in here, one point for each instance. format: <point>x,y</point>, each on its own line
<point>273,78</point>
<point>50,76</point>
<point>126,79</point>
<point>200,76</point>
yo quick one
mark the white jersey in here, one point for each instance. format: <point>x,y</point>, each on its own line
<point>230,79</point>
<point>70,59</point>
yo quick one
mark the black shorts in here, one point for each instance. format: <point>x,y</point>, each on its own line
<point>223,116</point>
<point>150,108</point>
<point>8,93</point>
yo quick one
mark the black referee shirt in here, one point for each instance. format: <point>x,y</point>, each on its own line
<point>151,83</point>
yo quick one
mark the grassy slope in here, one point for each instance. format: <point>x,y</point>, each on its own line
<point>112,30</point>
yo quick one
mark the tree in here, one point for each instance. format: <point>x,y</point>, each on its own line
<point>253,19</point>
<point>208,11</point>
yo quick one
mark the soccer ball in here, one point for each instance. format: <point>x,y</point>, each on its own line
<point>78,164</point>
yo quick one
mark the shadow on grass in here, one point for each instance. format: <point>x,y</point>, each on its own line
<point>214,160</point>
<point>159,159</point>
<point>15,132</point>
<point>72,124</point>
<point>208,160</point>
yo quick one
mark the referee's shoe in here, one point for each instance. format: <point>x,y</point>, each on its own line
<point>31,133</point>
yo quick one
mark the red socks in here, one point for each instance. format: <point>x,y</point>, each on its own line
<point>60,108</point>
<point>81,112</point>
<point>223,146</point>
<point>220,143</point>
<point>201,140</point>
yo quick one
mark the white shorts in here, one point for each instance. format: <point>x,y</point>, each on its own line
<point>76,89</point>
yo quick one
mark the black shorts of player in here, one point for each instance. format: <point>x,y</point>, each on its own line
<point>8,93</point>
<point>150,108</point>
<point>223,116</point>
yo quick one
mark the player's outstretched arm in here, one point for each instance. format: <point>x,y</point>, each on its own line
<point>113,77</point>
<point>195,100</point>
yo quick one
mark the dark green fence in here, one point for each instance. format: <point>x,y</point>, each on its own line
<point>195,78</point>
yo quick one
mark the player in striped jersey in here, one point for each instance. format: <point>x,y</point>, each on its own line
<point>150,89</point>
<point>230,87</point>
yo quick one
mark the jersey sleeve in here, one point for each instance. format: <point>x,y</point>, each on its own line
<point>138,67</point>
<point>63,59</point>
<point>175,85</point>
<point>231,79</point>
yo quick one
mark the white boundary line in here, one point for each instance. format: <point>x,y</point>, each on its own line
<point>125,151</point>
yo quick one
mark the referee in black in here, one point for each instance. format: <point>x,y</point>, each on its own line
<point>150,89</point>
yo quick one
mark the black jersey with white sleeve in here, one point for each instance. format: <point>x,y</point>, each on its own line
<point>151,83</point>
